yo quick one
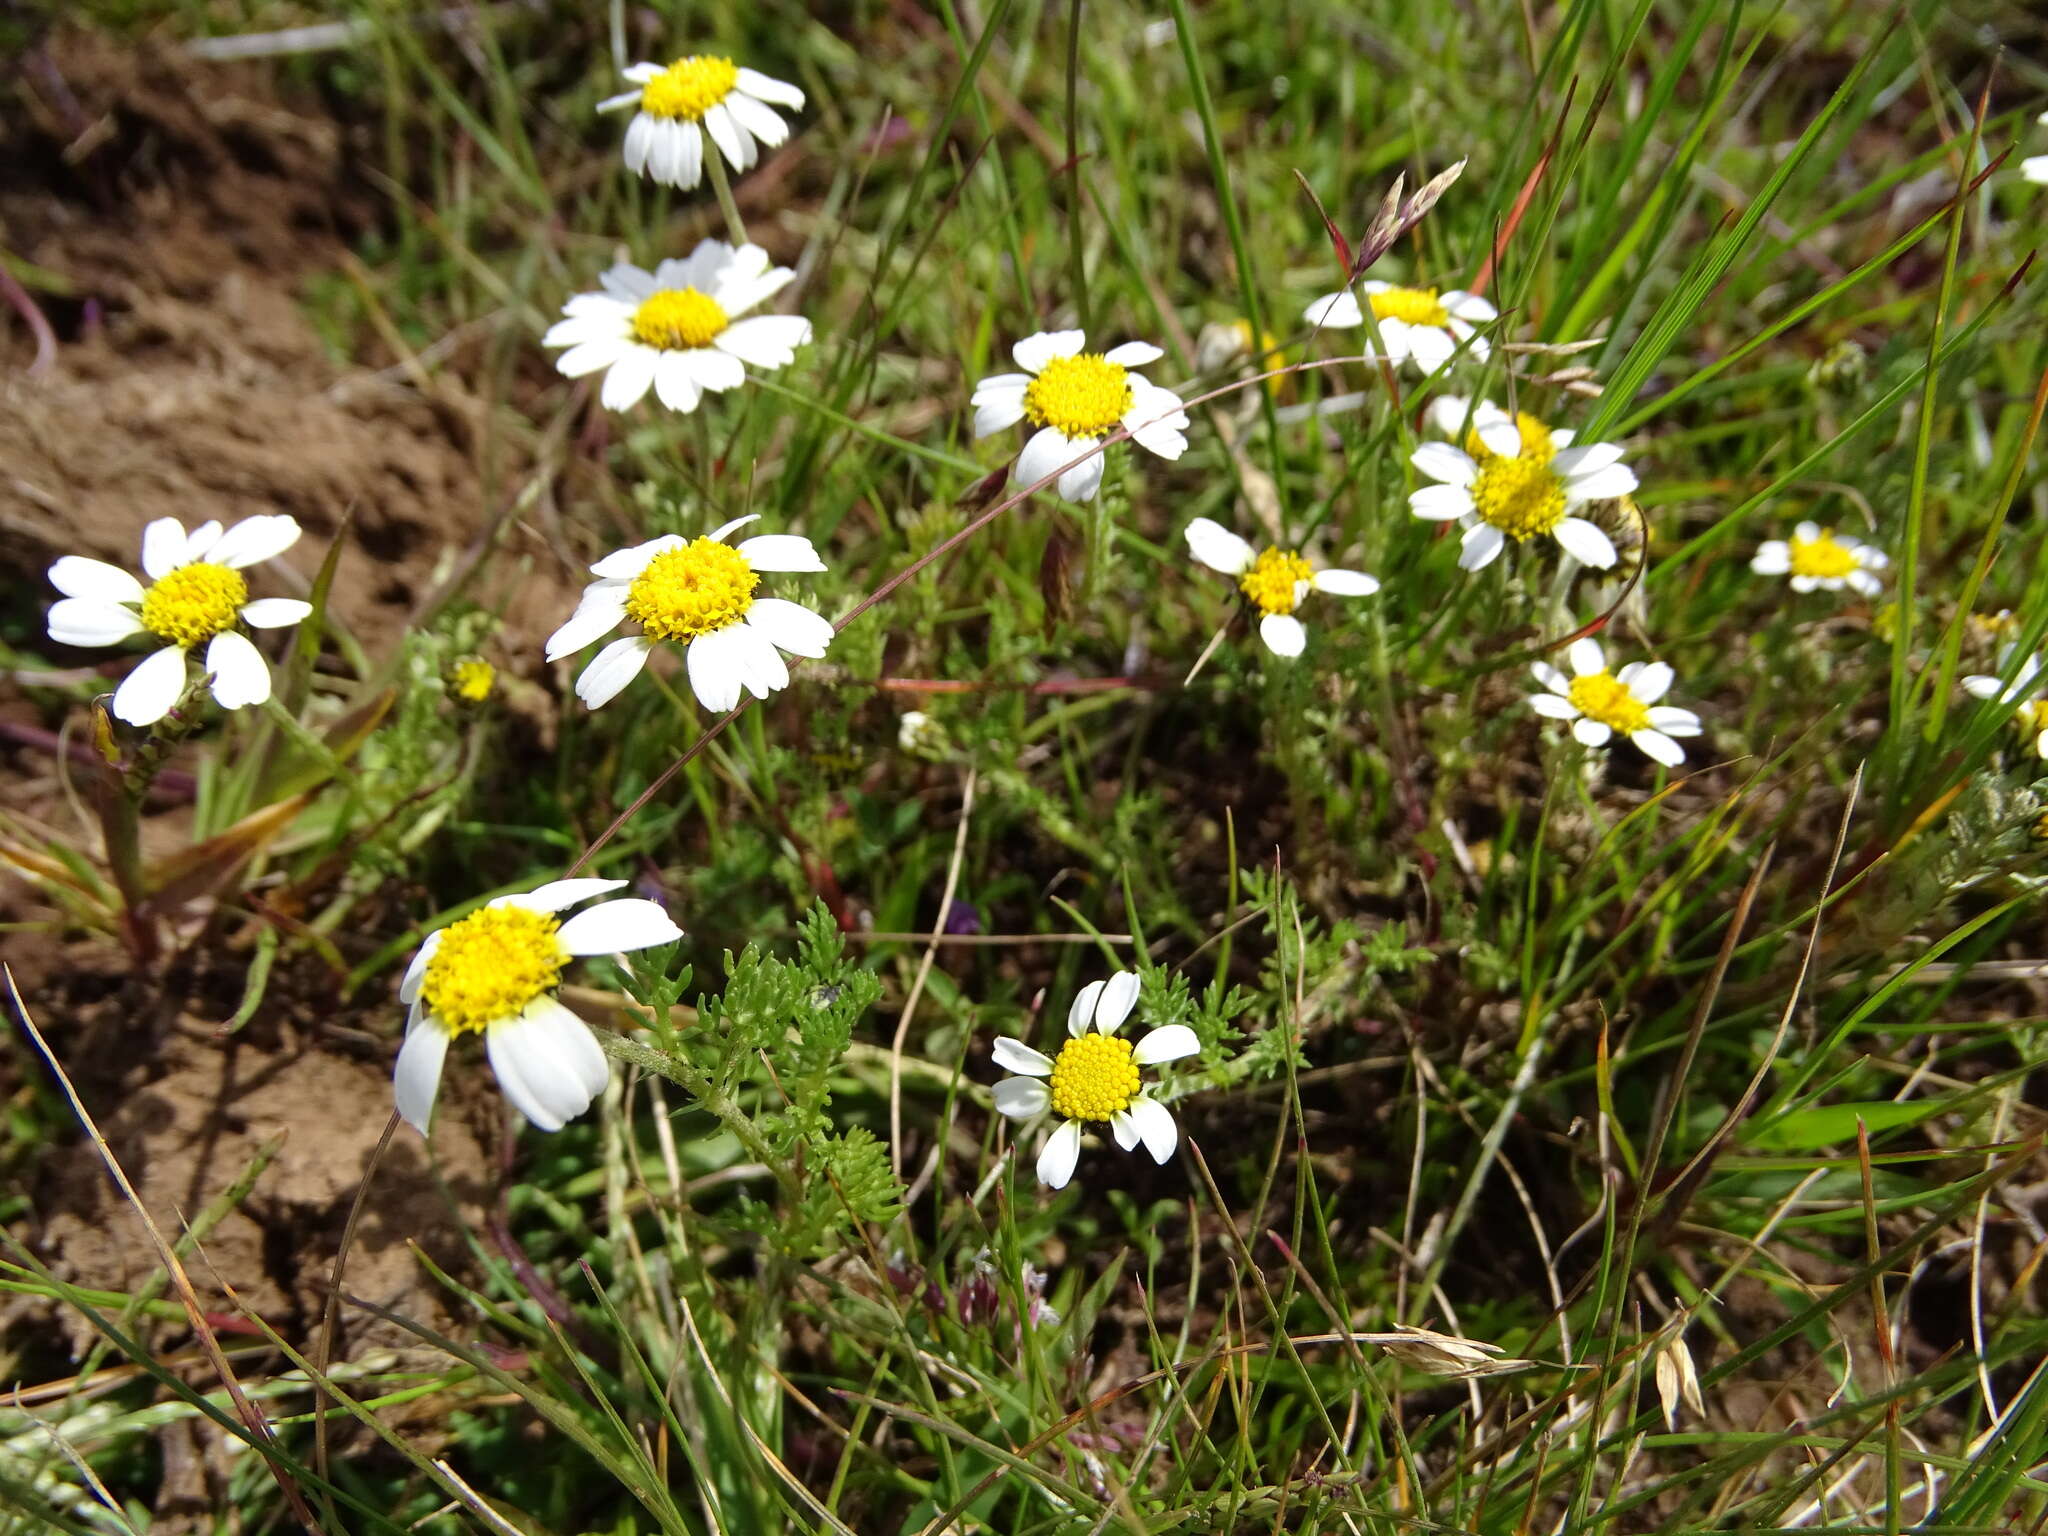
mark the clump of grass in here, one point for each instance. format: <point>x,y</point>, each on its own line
<point>1569,1138</point>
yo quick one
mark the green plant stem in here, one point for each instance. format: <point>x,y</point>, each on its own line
<point>735,226</point>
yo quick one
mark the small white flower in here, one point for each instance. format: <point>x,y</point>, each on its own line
<point>1415,324</point>
<point>1075,398</point>
<point>1599,703</point>
<point>1094,1080</point>
<point>2025,691</point>
<point>693,99</point>
<point>673,330</point>
<point>699,593</point>
<point>197,595</point>
<point>1275,580</point>
<point>2035,167</point>
<point>1820,557</point>
<point>1518,484</point>
<point>494,973</point>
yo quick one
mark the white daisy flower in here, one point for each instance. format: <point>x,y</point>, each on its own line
<point>1094,1080</point>
<point>1415,324</point>
<point>693,99</point>
<point>698,593</point>
<point>2025,691</point>
<point>1599,703</point>
<point>673,329</point>
<point>494,973</point>
<point>1510,487</point>
<point>197,596</point>
<point>1075,398</point>
<point>1820,557</point>
<point>1275,580</point>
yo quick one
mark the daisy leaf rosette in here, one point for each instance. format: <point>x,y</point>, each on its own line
<point>1601,704</point>
<point>1817,558</point>
<point>1095,1080</point>
<point>495,973</point>
<point>1416,325</point>
<point>1499,492</point>
<point>2025,691</point>
<point>700,594</point>
<point>676,330</point>
<point>694,100</point>
<point>196,596</point>
<point>1274,581</point>
<point>1073,399</point>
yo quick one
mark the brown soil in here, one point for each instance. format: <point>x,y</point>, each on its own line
<point>171,215</point>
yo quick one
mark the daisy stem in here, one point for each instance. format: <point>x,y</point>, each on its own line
<point>734,224</point>
<point>1076,236</point>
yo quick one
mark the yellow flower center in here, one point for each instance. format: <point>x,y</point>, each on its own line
<point>677,318</point>
<point>1522,497</point>
<point>490,966</point>
<point>472,679</point>
<point>1536,442</point>
<point>2032,717</point>
<point>702,586</point>
<point>689,88</point>
<point>1093,1078</point>
<point>194,603</point>
<point>1412,306</point>
<point>1270,580</point>
<point>1604,697</point>
<point>1081,396</point>
<point>1826,557</point>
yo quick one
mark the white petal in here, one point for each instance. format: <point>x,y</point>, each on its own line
<point>629,379</point>
<point>1592,732</point>
<point>1550,677</point>
<point>790,625</point>
<point>1480,546</point>
<point>416,1076</point>
<point>591,620</point>
<point>1807,531</point>
<point>1119,997</point>
<point>548,1063</point>
<point>1585,543</point>
<point>1586,657</point>
<point>1217,547</point>
<point>639,139</point>
<point>721,534</point>
<point>781,552</point>
<point>1002,386</point>
<point>1283,634</point>
<point>1658,747</point>
<point>1045,452</point>
<point>756,118</point>
<point>241,676</point>
<point>1440,503</point>
<point>1034,352</point>
<point>1155,1127</point>
<point>1169,1042</point>
<point>556,895</point>
<point>769,89</point>
<point>611,669</point>
<point>147,694</point>
<point>1057,1157</point>
<point>275,612</point>
<point>1651,682</point>
<point>739,288</point>
<point>1080,483</point>
<point>623,565</point>
<point>997,410</point>
<point>1454,415</point>
<point>254,540</point>
<point>1124,1129</point>
<point>76,576</point>
<point>717,668</point>
<point>1013,1055</point>
<point>1980,686</point>
<point>163,547</point>
<point>1340,309</point>
<point>613,927</point>
<point>1553,706</point>
<point>589,356</point>
<point>1501,437</point>
<point>1134,354</point>
<point>1082,1012</point>
<point>200,541</point>
<point>675,382</point>
<point>1020,1098</point>
<point>733,141</point>
<point>91,621</point>
<point>712,369</point>
<point>409,988</point>
<point>1585,460</point>
<point>685,154</point>
<point>1155,437</point>
<point>627,282</point>
<point>1430,346</point>
<point>1440,461</point>
<point>1865,583</point>
<point>1342,583</point>
<point>1601,485</point>
<point>766,341</point>
<point>1772,559</point>
<point>762,668</point>
<point>1675,722</point>
<point>1467,306</point>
